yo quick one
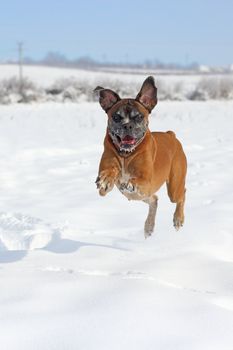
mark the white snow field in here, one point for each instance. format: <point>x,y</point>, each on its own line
<point>45,76</point>
<point>76,272</point>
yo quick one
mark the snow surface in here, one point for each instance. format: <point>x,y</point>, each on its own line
<point>75,269</point>
<point>46,76</point>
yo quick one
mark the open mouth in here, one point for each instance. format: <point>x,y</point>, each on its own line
<point>128,141</point>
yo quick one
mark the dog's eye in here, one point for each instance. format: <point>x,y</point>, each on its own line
<point>138,118</point>
<point>116,117</point>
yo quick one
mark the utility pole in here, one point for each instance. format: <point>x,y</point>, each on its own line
<point>20,62</point>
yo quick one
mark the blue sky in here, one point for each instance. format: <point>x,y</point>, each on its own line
<point>170,31</point>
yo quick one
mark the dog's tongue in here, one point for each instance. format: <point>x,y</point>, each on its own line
<point>128,140</point>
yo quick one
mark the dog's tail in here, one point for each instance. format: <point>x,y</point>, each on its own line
<point>171,133</point>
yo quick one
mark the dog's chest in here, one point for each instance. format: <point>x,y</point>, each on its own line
<point>124,184</point>
<point>125,175</point>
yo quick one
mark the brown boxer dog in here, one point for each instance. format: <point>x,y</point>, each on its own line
<point>136,160</point>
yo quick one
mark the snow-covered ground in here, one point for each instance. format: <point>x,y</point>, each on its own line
<point>46,76</point>
<point>46,84</point>
<point>75,269</point>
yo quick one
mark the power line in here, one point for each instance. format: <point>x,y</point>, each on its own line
<point>20,63</point>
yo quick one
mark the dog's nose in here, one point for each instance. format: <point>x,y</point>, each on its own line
<point>128,126</point>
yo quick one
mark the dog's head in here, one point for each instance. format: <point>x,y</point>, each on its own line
<point>128,117</point>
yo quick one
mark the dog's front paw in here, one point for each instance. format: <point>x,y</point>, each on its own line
<point>127,187</point>
<point>132,187</point>
<point>105,182</point>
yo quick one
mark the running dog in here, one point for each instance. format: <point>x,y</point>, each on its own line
<point>137,160</point>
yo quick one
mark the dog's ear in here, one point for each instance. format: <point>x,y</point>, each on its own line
<point>107,97</point>
<point>147,96</point>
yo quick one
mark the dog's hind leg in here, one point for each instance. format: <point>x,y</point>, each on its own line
<point>178,218</point>
<point>150,220</point>
<point>176,193</point>
<point>176,186</point>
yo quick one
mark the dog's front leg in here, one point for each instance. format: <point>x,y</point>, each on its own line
<point>138,185</point>
<point>140,173</point>
<point>108,173</point>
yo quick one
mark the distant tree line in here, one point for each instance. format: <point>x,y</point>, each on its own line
<point>57,59</point>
